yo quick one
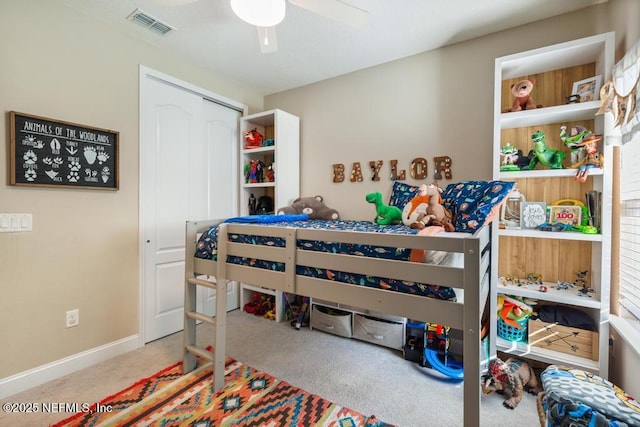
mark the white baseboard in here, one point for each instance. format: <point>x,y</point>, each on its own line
<point>39,375</point>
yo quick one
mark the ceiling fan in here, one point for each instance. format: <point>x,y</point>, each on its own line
<point>266,14</point>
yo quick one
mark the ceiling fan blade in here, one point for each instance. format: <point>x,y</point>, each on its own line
<point>336,10</point>
<point>267,39</point>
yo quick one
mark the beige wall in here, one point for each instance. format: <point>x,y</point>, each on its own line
<point>83,251</point>
<point>432,104</point>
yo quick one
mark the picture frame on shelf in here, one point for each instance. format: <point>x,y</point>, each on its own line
<point>587,89</point>
<point>533,214</point>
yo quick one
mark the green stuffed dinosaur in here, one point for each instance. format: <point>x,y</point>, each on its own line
<point>543,154</point>
<point>385,215</point>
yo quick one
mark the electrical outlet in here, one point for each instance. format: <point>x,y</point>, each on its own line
<point>73,318</point>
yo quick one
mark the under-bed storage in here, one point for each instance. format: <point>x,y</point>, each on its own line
<point>331,320</point>
<point>378,331</point>
<point>366,325</point>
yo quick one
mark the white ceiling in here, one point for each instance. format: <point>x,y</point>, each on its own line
<point>312,47</point>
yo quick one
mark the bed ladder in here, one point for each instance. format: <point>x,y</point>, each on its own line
<point>192,316</point>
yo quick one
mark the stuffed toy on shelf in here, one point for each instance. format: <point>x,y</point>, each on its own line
<point>522,95</point>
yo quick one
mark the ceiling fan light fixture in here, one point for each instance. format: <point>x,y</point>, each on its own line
<point>262,13</point>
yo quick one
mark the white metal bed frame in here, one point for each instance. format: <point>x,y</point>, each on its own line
<point>473,276</point>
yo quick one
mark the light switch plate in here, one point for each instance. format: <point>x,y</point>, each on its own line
<point>26,221</point>
<point>11,223</point>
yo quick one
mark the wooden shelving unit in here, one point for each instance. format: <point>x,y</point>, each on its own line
<point>284,155</point>
<point>557,256</point>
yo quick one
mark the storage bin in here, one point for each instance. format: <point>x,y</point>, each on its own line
<point>574,341</point>
<point>385,316</point>
<point>378,331</point>
<point>511,333</point>
<point>352,308</point>
<point>331,320</point>
<point>325,303</point>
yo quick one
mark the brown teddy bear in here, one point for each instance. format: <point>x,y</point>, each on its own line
<point>312,206</point>
<point>522,92</point>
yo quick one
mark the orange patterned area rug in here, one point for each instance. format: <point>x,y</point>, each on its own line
<point>248,398</point>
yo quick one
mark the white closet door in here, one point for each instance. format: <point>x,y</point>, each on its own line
<point>188,148</point>
<point>221,139</point>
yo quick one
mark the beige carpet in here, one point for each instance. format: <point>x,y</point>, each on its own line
<point>355,374</point>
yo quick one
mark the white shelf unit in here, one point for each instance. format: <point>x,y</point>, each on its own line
<point>597,54</point>
<point>284,129</point>
<point>247,291</point>
<point>545,355</point>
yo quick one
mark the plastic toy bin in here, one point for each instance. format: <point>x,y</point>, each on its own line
<point>511,333</point>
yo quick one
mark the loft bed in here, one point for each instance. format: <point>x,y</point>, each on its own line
<point>469,277</point>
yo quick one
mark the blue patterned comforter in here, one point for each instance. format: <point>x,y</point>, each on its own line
<point>207,249</point>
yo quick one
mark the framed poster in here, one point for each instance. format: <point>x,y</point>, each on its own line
<point>52,153</point>
<point>533,214</point>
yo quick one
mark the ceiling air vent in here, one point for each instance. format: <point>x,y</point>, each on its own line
<point>150,22</point>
